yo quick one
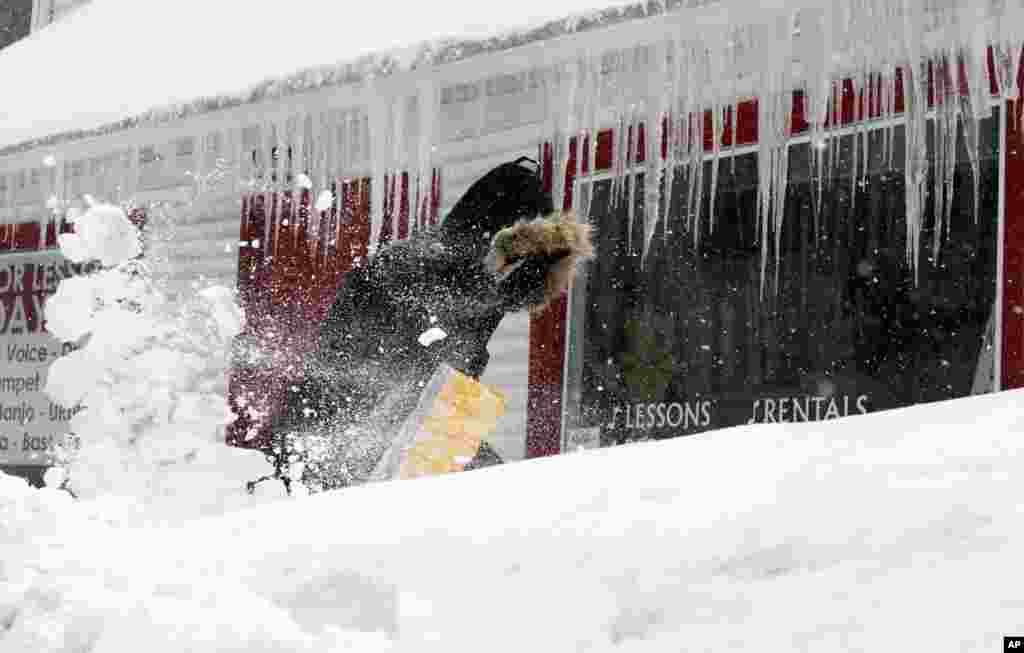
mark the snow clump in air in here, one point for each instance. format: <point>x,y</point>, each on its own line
<point>149,376</point>
<point>102,233</point>
<point>432,335</point>
<point>324,200</point>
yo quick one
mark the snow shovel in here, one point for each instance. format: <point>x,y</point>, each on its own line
<point>445,430</point>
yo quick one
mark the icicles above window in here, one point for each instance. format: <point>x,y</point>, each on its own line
<point>859,66</point>
<point>688,75</point>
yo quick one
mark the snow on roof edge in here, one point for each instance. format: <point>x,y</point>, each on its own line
<point>383,64</point>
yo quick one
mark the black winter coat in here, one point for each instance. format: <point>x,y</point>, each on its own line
<point>369,366</point>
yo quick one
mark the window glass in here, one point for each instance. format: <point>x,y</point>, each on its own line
<point>688,340</point>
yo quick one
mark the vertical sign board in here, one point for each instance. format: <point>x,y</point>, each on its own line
<point>31,426</point>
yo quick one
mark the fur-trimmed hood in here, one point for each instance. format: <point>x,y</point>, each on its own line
<point>556,237</point>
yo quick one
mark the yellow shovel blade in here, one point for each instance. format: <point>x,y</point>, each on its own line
<point>462,413</point>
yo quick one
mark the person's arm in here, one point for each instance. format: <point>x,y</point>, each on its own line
<point>446,286</point>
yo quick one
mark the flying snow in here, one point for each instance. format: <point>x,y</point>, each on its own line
<point>324,200</point>
<point>150,379</point>
<point>432,335</point>
<point>102,233</point>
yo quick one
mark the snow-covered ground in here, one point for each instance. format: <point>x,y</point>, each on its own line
<point>890,532</point>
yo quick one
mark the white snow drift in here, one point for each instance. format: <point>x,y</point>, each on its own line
<point>890,532</point>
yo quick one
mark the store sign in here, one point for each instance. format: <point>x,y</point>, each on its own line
<point>694,416</point>
<point>31,426</point>
<point>681,415</point>
<point>806,409</point>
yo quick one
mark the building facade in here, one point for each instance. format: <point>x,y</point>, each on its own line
<point>803,243</point>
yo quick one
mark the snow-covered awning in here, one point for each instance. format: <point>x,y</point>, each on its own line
<point>116,61</point>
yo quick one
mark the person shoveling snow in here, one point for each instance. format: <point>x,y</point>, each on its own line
<point>501,249</point>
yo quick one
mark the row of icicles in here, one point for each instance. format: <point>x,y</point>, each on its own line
<point>875,50</point>
<point>944,97</point>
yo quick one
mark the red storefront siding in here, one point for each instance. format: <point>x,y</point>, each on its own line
<point>1013,243</point>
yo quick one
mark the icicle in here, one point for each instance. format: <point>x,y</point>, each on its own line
<point>703,74</point>
<point>564,114</point>
<point>716,151</point>
<point>579,136</point>
<point>867,93</point>
<point>428,110</point>
<point>975,42</point>
<point>774,112</point>
<point>579,120</point>
<point>915,86</point>
<point>277,157</point>
<point>586,133</point>
<point>954,120</point>
<point>633,132</point>
<point>654,168</point>
<point>949,121</point>
<point>351,140</point>
<point>979,86</point>
<point>817,58</point>
<point>592,122</point>
<point>301,150</point>
<point>1007,59</point>
<point>695,167</point>
<point>321,142</point>
<point>671,118</point>
<point>379,111</point>
<point>399,157</point>
<point>692,113</point>
<point>620,152</point>
<point>330,136</point>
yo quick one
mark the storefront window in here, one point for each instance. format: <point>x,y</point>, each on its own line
<point>688,340</point>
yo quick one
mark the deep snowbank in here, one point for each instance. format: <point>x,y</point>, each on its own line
<point>872,533</point>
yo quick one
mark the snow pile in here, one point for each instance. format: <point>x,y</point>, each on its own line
<point>150,375</point>
<point>894,531</point>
